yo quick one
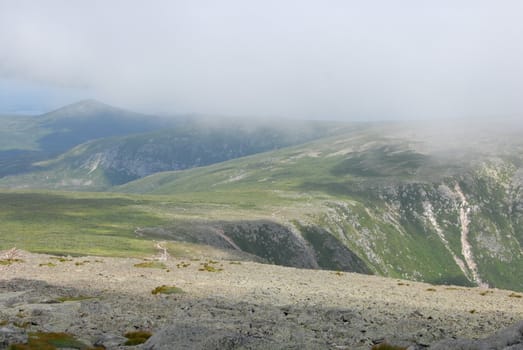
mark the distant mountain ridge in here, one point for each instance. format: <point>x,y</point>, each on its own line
<point>406,206</point>
<point>106,146</point>
<point>89,119</point>
<point>434,202</point>
<point>41,137</point>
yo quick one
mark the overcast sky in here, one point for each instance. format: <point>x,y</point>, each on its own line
<point>364,59</point>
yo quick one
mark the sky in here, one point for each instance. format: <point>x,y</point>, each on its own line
<point>324,59</point>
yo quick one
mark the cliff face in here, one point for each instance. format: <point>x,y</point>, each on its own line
<point>465,229</point>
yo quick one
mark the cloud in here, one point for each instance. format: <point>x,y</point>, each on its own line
<point>314,59</point>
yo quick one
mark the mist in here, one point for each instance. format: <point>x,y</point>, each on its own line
<point>345,60</point>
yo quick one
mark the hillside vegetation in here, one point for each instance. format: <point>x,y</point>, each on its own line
<point>417,209</point>
<point>102,163</point>
<point>440,203</point>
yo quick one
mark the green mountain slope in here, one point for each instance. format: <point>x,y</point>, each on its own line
<point>28,139</point>
<point>410,201</point>
<point>106,162</point>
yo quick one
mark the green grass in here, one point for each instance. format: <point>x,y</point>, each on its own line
<point>74,298</point>
<point>75,224</point>
<point>366,190</point>
<point>164,289</point>
<point>137,337</point>
<point>151,265</point>
<point>7,262</point>
<point>50,341</point>
<point>385,346</point>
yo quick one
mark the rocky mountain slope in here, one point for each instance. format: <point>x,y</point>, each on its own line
<point>229,304</point>
<point>440,203</point>
<point>404,206</point>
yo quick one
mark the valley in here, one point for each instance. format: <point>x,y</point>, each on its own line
<point>393,199</point>
<point>409,202</point>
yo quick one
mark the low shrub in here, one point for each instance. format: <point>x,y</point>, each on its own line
<point>164,289</point>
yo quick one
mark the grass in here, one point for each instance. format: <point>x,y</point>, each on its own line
<point>61,259</point>
<point>7,262</point>
<point>207,266</point>
<point>381,191</point>
<point>385,346</point>
<point>137,337</point>
<point>76,298</point>
<point>151,265</point>
<point>48,264</point>
<point>76,224</point>
<point>51,341</point>
<point>164,289</point>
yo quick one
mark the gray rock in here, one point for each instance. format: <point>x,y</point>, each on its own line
<point>10,335</point>
<point>185,336</point>
<point>188,336</point>
<point>110,341</point>
<point>510,338</point>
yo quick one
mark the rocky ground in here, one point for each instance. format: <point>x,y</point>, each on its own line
<point>239,305</point>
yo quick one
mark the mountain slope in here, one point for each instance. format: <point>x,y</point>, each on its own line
<point>106,162</point>
<point>405,202</point>
<point>87,120</point>
<point>28,139</point>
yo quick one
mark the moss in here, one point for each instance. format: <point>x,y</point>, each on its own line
<point>164,289</point>
<point>50,341</point>
<point>385,346</point>
<point>137,337</point>
<point>10,261</point>
<point>77,298</point>
<point>22,325</point>
<point>209,268</point>
<point>49,264</point>
<point>151,264</point>
<point>183,264</point>
<point>61,259</point>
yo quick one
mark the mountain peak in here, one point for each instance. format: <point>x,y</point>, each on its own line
<point>83,107</point>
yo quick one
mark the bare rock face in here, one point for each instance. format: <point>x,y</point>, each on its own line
<point>510,338</point>
<point>10,335</point>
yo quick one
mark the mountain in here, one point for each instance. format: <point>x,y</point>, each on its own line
<point>439,202</point>
<point>27,139</point>
<point>105,162</point>
<point>435,203</point>
<point>87,120</point>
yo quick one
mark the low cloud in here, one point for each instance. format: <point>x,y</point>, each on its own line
<point>311,59</point>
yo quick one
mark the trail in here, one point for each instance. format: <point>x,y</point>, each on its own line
<point>466,248</point>
<point>164,254</point>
